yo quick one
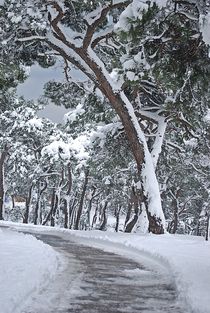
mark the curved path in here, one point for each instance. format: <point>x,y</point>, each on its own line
<point>95,281</point>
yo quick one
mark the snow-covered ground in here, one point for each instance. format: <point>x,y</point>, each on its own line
<point>187,258</point>
<point>27,266</point>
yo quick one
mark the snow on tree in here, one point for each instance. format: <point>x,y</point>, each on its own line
<point>141,56</point>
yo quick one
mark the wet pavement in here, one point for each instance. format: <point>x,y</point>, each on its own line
<point>95,281</point>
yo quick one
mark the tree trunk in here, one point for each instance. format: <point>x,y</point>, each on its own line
<point>175,220</point>
<point>72,213</point>
<point>27,209</point>
<point>130,205</point>
<point>67,198</point>
<point>2,191</point>
<point>37,212</point>
<point>94,220</point>
<point>104,218</point>
<point>54,209</point>
<point>135,199</point>
<point>51,208</point>
<point>207,227</point>
<point>138,145</point>
<point>13,201</point>
<point>117,215</point>
<point>93,195</point>
<point>79,213</point>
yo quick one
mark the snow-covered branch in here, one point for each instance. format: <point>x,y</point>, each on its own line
<point>95,19</point>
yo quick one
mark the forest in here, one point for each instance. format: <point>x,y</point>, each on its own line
<point>133,153</point>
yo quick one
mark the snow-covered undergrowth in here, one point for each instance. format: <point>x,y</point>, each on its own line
<point>186,258</point>
<point>27,265</point>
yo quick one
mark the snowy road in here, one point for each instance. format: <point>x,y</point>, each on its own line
<point>95,281</point>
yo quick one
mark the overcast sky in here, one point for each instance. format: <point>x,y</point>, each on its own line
<point>32,88</point>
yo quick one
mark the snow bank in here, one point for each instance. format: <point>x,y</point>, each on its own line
<point>27,265</point>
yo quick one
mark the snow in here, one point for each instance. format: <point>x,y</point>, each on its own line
<point>184,258</point>
<point>150,184</point>
<point>73,114</point>
<point>207,116</point>
<point>57,149</point>
<point>134,11</point>
<point>27,265</point>
<point>205,27</point>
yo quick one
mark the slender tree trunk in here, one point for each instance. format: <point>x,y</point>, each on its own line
<point>94,220</point>
<point>87,226</point>
<point>2,191</point>
<point>117,215</point>
<point>207,227</point>
<point>54,209</point>
<point>37,212</point>
<point>104,218</point>
<point>13,201</point>
<point>130,205</point>
<point>51,208</point>
<point>27,209</point>
<point>67,198</point>
<point>130,225</point>
<point>175,219</point>
<point>79,213</point>
<point>198,231</point>
<point>72,213</point>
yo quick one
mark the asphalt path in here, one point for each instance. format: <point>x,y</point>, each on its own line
<point>95,281</point>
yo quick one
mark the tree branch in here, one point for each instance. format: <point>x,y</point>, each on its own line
<point>97,22</point>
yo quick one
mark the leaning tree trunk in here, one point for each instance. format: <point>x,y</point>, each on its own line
<point>2,191</point>
<point>85,59</point>
<point>148,185</point>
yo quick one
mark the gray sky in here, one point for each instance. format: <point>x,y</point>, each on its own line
<point>32,88</point>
